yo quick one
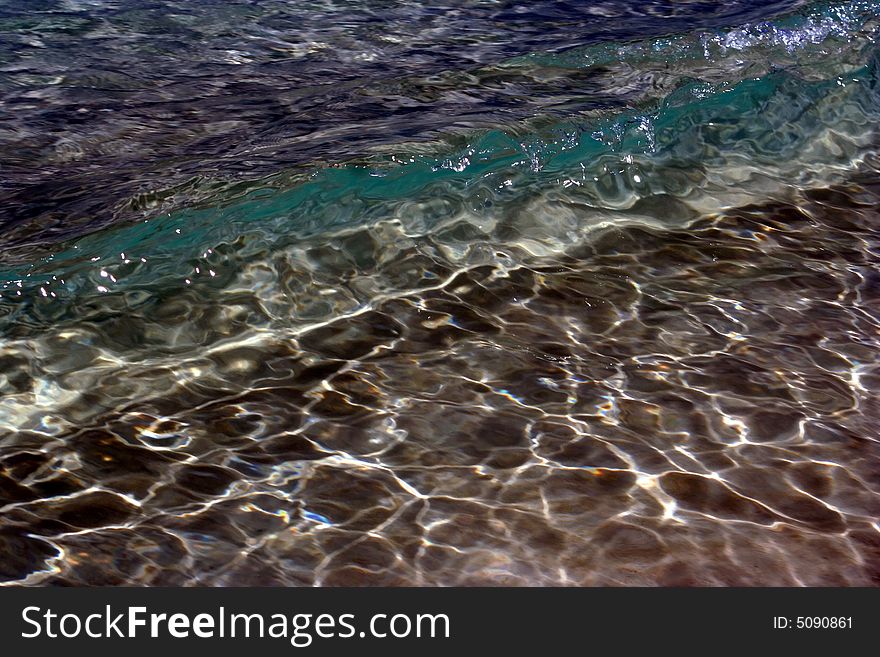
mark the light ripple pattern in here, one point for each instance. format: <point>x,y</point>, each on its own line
<point>620,346</point>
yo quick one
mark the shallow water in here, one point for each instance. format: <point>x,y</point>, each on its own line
<point>594,301</point>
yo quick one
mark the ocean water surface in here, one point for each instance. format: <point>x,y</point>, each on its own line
<point>461,293</point>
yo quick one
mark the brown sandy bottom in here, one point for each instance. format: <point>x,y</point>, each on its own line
<point>694,406</point>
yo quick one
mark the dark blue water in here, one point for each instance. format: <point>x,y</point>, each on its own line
<point>100,101</point>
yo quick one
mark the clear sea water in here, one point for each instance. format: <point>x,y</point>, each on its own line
<point>452,293</point>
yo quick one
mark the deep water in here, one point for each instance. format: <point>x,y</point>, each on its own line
<point>470,293</point>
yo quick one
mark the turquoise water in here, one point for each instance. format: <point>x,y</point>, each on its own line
<point>698,125</point>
